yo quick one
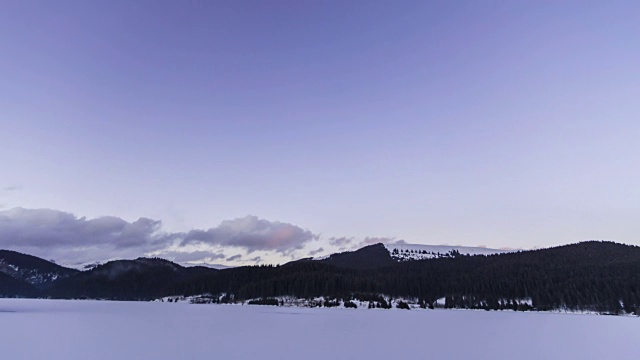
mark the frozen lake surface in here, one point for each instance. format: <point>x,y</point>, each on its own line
<point>52,329</point>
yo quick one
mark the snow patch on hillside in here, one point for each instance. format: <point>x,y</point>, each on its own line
<point>31,276</point>
<point>83,266</point>
<point>404,252</point>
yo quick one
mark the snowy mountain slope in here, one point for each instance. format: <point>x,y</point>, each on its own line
<point>84,266</point>
<point>378,255</point>
<point>405,252</point>
<point>31,269</point>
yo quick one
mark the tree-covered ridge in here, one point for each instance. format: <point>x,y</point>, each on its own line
<point>594,275</point>
<point>32,269</point>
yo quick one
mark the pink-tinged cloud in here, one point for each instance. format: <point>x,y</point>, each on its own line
<point>253,234</point>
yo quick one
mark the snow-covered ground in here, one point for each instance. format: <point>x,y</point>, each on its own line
<point>51,329</point>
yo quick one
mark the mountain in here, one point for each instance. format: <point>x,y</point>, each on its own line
<point>379,255</point>
<point>368,257</point>
<point>31,269</point>
<point>594,275</point>
<point>406,252</point>
<point>139,279</point>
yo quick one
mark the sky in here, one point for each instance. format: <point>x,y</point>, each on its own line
<point>241,132</point>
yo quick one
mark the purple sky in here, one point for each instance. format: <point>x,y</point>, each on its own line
<point>501,123</point>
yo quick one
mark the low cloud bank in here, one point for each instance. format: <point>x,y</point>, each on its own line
<point>59,235</point>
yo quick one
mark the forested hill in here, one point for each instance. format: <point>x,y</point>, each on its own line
<point>142,278</point>
<point>597,276</point>
<point>32,269</point>
<point>369,257</point>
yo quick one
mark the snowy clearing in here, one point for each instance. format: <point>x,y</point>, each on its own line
<point>404,252</point>
<point>59,329</point>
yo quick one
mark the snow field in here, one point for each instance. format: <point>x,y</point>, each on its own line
<point>67,329</point>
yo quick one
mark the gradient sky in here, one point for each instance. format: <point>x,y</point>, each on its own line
<point>497,123</point>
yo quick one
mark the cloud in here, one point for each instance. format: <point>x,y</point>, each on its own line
<point>340,241</point>
<point>257,259</point>
<point>350,243</point>
<point>11,188</point>
<point>376,240</point>
<point>314,252</point>
<point>200,256</point>
<point>67,238</point>
<point>53,228</point>
<point>54,234</point>
<point>234,257</point>
<point>253,234</point>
